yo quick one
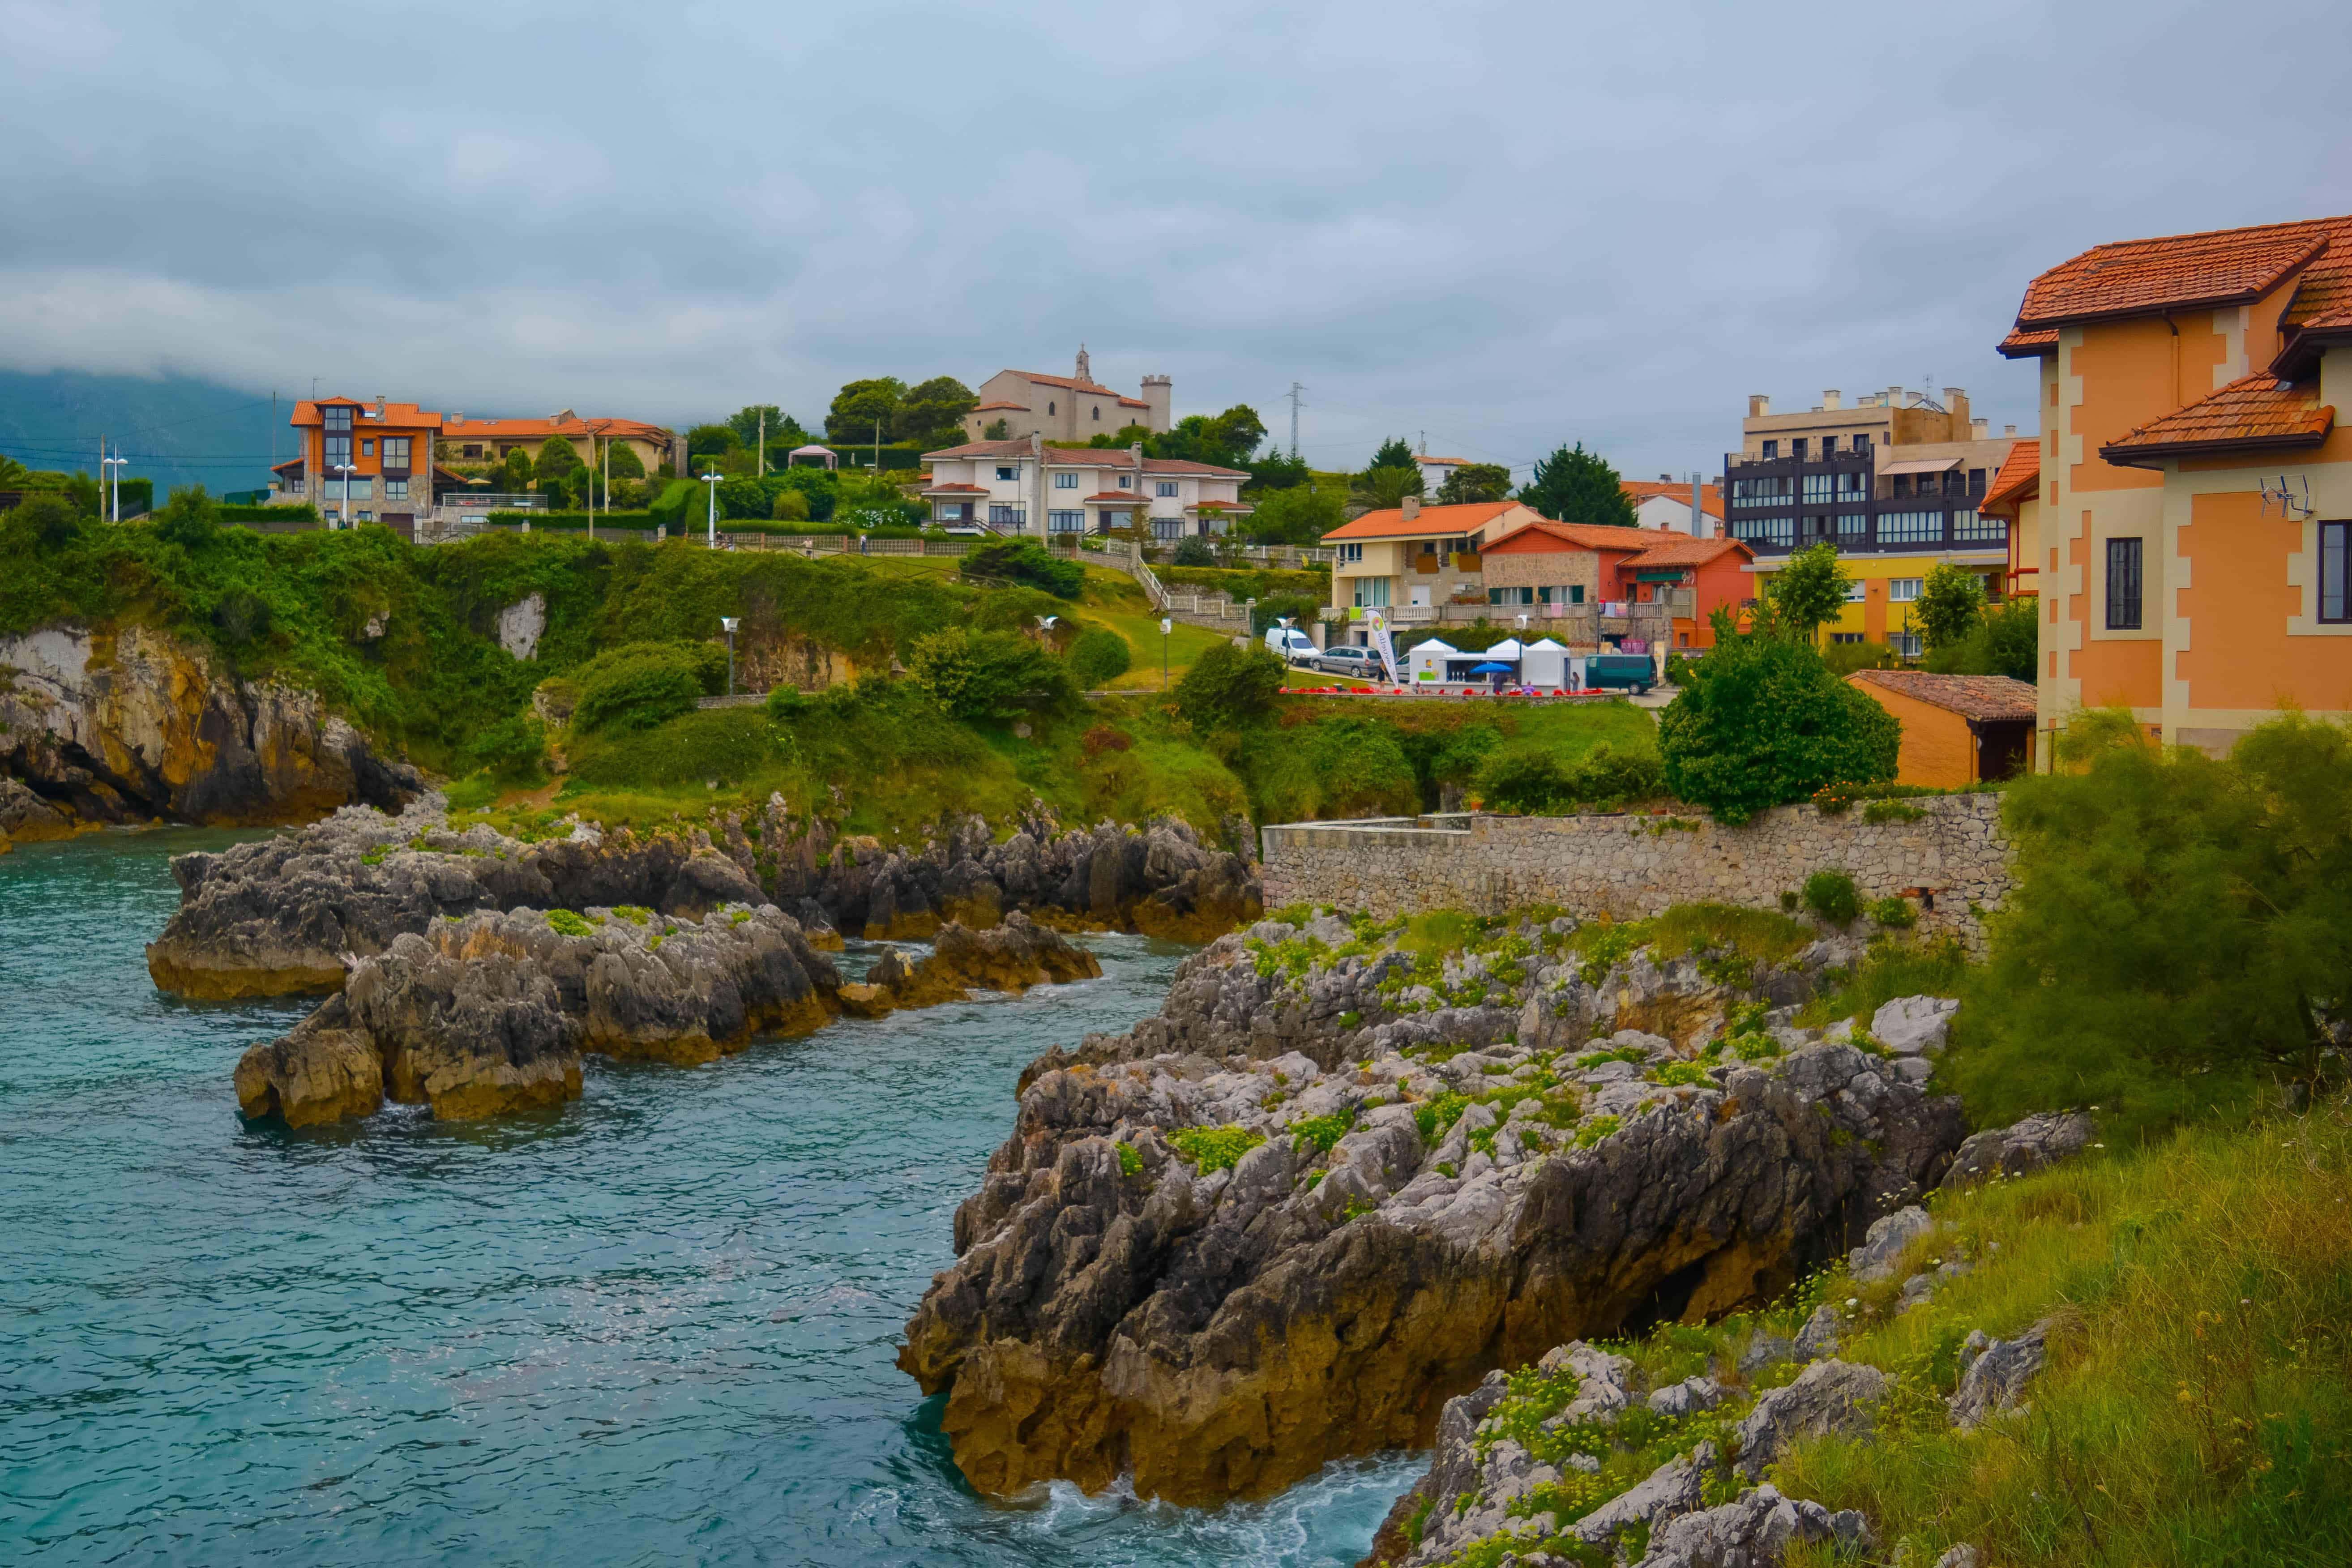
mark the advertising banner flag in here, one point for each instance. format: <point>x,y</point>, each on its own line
<point>1384,645</point>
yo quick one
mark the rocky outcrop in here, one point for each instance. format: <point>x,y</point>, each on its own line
<point>1214,1258</point>
<point>2033,1145</point>
<point>280,916</point>
<point>489,1013</point>
<point>131,724</point>
<point>1011,955</point>
<point>1994,1372</point>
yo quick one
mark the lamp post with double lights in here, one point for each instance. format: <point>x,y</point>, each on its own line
<point>712,480</point>
<point>343,519</point>
<point>113,467</point>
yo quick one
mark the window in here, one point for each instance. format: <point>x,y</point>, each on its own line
<point>395,453</point>
<point>1853,525</point>
<point>473,449</point>
<point>1167,528</point>
<point>1127,481</point>
<point>1352,552</point>
<point>1066,522</point>
<point>1905,643</point>
<point>2123,584</point>
<point>1049,408</point>
<point>1008,516</point>
<point>1862,445</point>
<point>1510,595</point>
<point>1902,590</point>
<point>1853,485</point>
<point>367,447</point>
<point>1118,517</point>
<point>336,417</point>
<point>1829,446</point>
<point>1373,593</point>
<point>1098,414</point>
<point>1910,527</point>
<point>396,489</point>
<point>1845,636</point>
<point>2334,558</point>
<point>1771,448</point>
<point>1856,591</point>
<point>1163,487</point>
<point>1900,485</point>
<point>1765,530</point>
<point>1972,527</point>
<point>953,511</point>
<point>367,517</point>
<point>1763,492</point>
<point>1819,487</point>
<point>1008,471</point>
<point>339,452</point>
<point>1975,482</point>
<point>1066,481</point>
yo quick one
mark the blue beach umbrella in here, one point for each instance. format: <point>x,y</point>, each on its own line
<point>1492,669</point>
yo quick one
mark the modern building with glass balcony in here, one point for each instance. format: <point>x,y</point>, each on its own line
<point>1896,482</point>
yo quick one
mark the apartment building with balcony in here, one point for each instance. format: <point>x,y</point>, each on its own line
<point>2195,478</point>
<point>1028,486</point>
<point>1413,562</point>
<point>1896,482</point>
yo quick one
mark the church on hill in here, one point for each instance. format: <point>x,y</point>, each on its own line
<point>1074,407</point>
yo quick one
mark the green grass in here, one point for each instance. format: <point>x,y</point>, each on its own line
<point>1213,1148</point>
<point>1731,939</point>
<point>2197,1405</point>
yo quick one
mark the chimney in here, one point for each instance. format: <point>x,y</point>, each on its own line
<point>1978,428</point>
<point>1698,508</point>
<point>1411,508</point>
<point>1758,405</point>
<point>1830,400</point>
<point>379,404</point>
<point>2009,431</point>
<point>1893,397</point>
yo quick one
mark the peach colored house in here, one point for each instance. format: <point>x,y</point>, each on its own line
<point>1956,729</point>
<point>2195,506</point>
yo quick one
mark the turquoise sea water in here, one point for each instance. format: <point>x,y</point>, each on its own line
<point>657,1328</point>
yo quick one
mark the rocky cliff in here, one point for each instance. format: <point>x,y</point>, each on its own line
<point>281,915</point>
<point>1336,1182</point>
<point>132,725</point>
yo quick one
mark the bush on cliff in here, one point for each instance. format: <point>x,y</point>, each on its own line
<point>990,676</point>
<point>1024,560</point>
<point>1534,780</point>
<point>2181,926</point>
<point>1764,722</point>
<point>1229,687</point>
<point>1099,656</point>
<point>639,685</point>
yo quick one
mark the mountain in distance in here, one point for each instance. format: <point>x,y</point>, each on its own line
<point>176,430</point>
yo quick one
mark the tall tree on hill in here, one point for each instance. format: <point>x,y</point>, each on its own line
<point>1393,454</point>
<point>1475,482</point>
<point>932,412</point>
<point>859,407</point>
<point>1574,485</point>
<point>1392,475</point>
<point>783,431</point>
<point>1226,440</point>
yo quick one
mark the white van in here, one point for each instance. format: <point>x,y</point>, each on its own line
<point>1290,645</point>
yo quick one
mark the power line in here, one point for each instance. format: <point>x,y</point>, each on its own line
<point>177,424</point>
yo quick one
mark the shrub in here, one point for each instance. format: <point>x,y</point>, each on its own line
<point>790,506</point>
<point>1195,550</point>
<point>989,675</point>
<point>639,685</point>
<point>51,518</point>
<point>566,922</point>
<point>1229,687</point>
<point>190,519</point>
<point>1521,779</point>
<point>514,750</point>
<point>1214,1148</point>
<point>242,615</point>
<point>1895,913</point>
<point>1099,656</point>
<point>2004,640</point>
<point>1026,562</point>
<point>1764,722</point>
<point>1832,896</point>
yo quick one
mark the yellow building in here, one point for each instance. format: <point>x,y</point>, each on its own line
<point>1896,481</point>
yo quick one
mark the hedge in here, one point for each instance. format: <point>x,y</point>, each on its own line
<point>303,512</point>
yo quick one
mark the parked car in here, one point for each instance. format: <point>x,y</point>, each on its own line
<point>1360,662</point>
<point>1291,646</point>
<point>1621,671</point>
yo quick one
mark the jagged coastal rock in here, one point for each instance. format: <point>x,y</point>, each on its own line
<point>489,1013</point>
<point>129,725</point>
<point>1336,1182</point>
<point>280,916</point>
<point>1011,956</point>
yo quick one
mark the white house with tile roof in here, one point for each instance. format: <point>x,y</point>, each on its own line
<point>1074,407</point>
<point>1026,486</point>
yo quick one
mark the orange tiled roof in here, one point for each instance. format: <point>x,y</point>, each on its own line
<point>1681,550</point>
<point>396,415</point>
<point>1710,497</point>
<point>2023,345</point>
<point>1063,381</point>
<point>1088,458</point>
<point>540,429</point>
<point>1015,407</point>
<point>963,489</point>
<point>2018,476</point>
<point>1544,535</point>
<point>1969,696</point>
<point>1115,494</point>
<point>2257,410</point>
<point>2182,271</point>
<point>1432,522</point>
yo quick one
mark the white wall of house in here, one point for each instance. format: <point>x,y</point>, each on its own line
<point>1666,513</point>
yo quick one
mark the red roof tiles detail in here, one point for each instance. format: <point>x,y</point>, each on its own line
<point>2019,477</point>
<point>1969,696</point>
<point>2132,276</point>
<point>1545,535</point>
<point>1710,499</point>
<point>1432,522</point>
<point>1681,550</point>
<point>2257,410</point>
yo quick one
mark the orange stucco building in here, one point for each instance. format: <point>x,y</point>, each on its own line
<point>1956,729</point>
<point>2194,493</point>
<point>363,462</point>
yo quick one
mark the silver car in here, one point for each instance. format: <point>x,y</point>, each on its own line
<point>1360,662</point>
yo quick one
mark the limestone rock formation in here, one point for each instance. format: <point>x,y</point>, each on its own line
<point>490,1013</point>
<point>1994,1372</point>
<point>1828,1396</point>
<point>2034,1144</point>
<point>280,916</point>
<point>1256,1234</point>
<point>131,725</point>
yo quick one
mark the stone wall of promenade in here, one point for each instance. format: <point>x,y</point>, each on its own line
<point>1625,866</point>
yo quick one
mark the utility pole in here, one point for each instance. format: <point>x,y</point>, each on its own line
<point>763,443</point>
<point>877,448</point>
<point>1295,390</point>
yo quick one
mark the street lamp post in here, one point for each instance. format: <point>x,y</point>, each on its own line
<point>1166,625</point>
<point>712,480</point>
<point>731,622</point>
<point>113,467</point>
<point>343,518</point>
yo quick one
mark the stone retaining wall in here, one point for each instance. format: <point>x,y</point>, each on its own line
<point>1625,866</point>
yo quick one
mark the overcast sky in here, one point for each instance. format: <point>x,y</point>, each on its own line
<point>1506,225</point>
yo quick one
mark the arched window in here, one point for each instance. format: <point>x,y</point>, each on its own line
<point>1049,408</point>
<point>1097,413</point>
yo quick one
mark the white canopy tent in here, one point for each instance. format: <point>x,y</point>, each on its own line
<point>1544,663</point>
<point>1425,662</point>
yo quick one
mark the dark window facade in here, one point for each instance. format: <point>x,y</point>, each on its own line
<point>2335,571</point>
<point>338,452</point>
<point>337,417</point>
<point>2123,584</point>
<point>395,453</point>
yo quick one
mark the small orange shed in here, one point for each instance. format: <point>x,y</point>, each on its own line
<point>1956,729</point>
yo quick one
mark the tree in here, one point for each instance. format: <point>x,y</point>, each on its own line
<point>1394,454</point>
<point>1099,655</point>
<point>49,517</point>
<point>1195,550</point>
<point>1383,485</point>
<point>558,459</point>
<point>514,471</point>
<point>1475,482</point>
<point>639,685</point>
<point>711,440</point>
<point>790,506</point>
<point>997,429</point>
<point>1229,687</point>
<point>1026,562</point>
<point>1948,604</point>
<point>783,431</point>
<point>2179,924</point>
<point>1574,485</point>
<point>190,518</point>
<point>984,676</point>
<point>623,461</point>
<point>1224,439</point>
<point>932,412</point>
<point>1764,722</point>
<point>1810,589</point>
<point>2005,640</point>
<point>860,407</point>
<point>1275,470</point>
<point>1301,516</point>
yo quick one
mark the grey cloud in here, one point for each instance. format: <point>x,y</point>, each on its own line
<point>1509,224</point>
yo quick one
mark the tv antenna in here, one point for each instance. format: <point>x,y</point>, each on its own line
<point>2289,503</point>
<point>1295,390</point>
